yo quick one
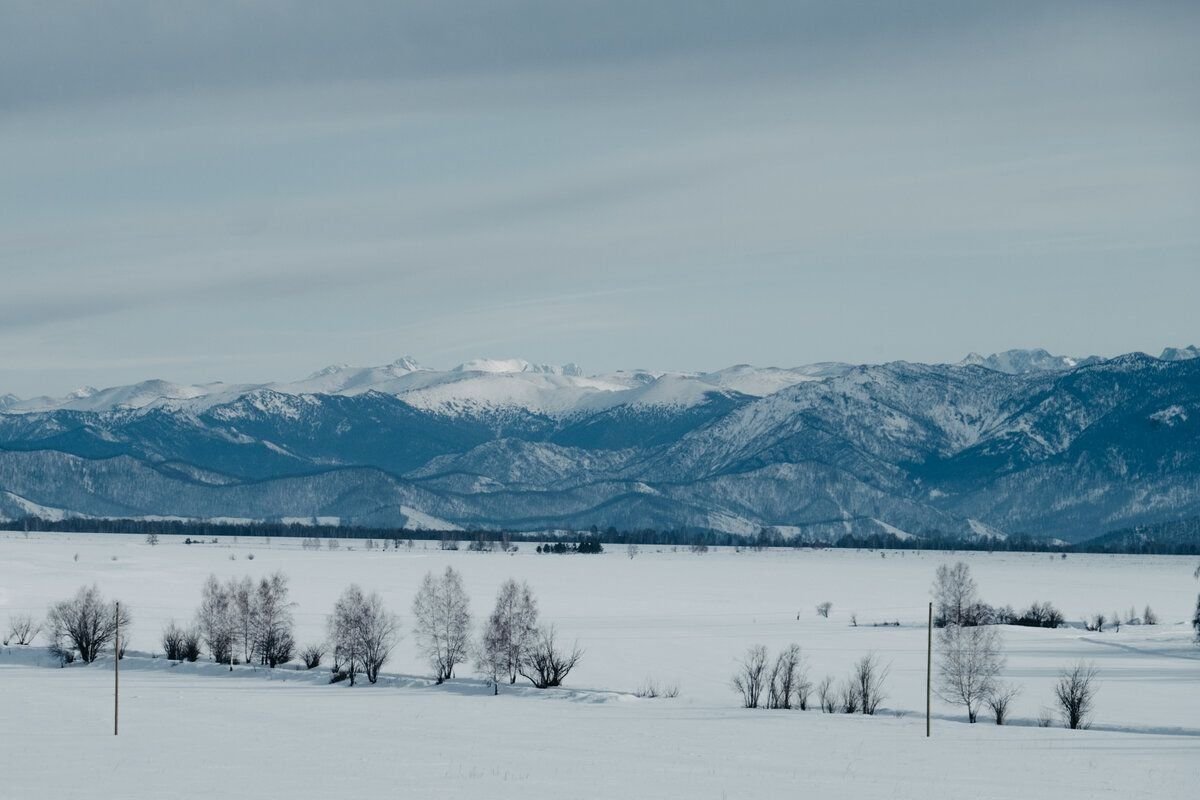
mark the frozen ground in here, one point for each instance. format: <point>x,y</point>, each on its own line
<point>196,730</point>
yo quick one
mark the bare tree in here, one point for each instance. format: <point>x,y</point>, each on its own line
<point>786,677</point>
<point>272,639</point>
<point>827,695</point>
<point>241,606</point>
<point>443,622</point>
<point>215,620</point>
<point>343,632</point>
<point>849,698</point>
<point>954,593</point>
<point>970,660</point>
<point>545,664</point>
<point>870,675</point>
<point>1076,694</point>
<point>86,624</point>
<point>379,631</point>
<point>803,686</point>
<point>152,538</point>
<point>999,701</point>
<point>632,549</point>
<point>509,632</point>
<point>362,633</point>
<point>22,629</point>
<point>751,677</point>
<point>824,608</point>
<point>491,658</point>
<point>1149,617</point>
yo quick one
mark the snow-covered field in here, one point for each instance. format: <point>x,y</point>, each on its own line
<point>675,617</point>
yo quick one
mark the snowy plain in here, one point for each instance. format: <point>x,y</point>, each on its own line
<point>667,615</point>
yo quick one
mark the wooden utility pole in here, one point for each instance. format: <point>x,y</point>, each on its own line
<point>929,673</point>
<point>117,669</point>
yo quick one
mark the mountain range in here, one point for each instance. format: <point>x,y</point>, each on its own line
<point>1020,442</point>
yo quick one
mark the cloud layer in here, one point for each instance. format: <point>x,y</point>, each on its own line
<point>247,191</point>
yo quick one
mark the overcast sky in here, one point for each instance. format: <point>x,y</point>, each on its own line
<point>250,191</point>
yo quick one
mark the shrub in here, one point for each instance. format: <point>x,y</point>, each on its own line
<point>545,663</point>
<point>312,655</point>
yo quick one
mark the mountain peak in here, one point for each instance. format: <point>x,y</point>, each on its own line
<point>517,365</point>
<point>406,364</point>
<point>1180,353</point>
<point>1022,362</point>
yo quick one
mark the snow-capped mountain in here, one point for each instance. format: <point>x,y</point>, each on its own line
<point>1017,443</point>
<point>1180,353</point>
<point>1022,362</point>
<point>471,387</point>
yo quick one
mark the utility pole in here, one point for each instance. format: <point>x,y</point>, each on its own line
<point>929,673</point>
<point>117,669</point>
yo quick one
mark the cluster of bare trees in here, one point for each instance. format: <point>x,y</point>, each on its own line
<point>784,683</point>
<point>956,602</point>
<point>1131,617</point>
<point>861,691</point>
<point>971,657</point>
<point>253,618</point>
<point>514,644</point>
<point>181,644</point>
<point>969,665</point>
<point>84,625</point>
<point>22,630</point>
<point>362,633</point>
<point>509,634</point>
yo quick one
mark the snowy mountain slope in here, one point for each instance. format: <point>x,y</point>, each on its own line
<point>926,449</point>
<point>1022,362</point>
<point>473,387</point>
<point>1180,353</point>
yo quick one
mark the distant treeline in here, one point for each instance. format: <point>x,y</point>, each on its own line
<point>1180,537</point>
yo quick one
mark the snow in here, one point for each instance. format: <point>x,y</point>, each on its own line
<point>984,531</point>
<point>477,385</point>
<point>21,507</point>
<point>1180,353</point>
<point>420,521</point>
<point>903,536</point>
<point>763,381</point>
<point>1170,415</point>
<point>508,365</point>
<point>1020,362</point>
<point>668,615</point>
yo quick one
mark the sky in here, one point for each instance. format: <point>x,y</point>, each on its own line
<point>250,191</point>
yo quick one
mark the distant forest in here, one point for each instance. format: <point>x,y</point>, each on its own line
<point>1181,537</point>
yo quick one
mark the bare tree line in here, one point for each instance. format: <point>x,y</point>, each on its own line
<point>253,618</point>
<point>784,683</point>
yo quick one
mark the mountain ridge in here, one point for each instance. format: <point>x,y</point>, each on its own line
<point>826,450</point>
